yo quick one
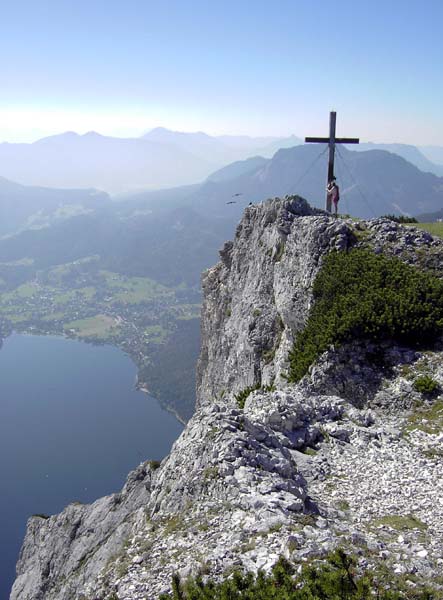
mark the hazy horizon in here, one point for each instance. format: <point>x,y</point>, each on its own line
<point>142,132</point>
<point>223,68</point>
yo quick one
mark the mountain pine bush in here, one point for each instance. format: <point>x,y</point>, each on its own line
<point>334,580</point>
<point>362,295</point>
<point>425,384</point>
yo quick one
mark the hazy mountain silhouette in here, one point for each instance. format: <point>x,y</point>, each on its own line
<point>372,183</point>
<point>93,160</point>
<point>431,217</point>
<point>411,153</point>
<point>433,153</point>
<point>26,206</point>
<point>199,144</point>
<point>159,159</point>
<point>224,148</point>
<point>172,247</point>
<point>238,168</point>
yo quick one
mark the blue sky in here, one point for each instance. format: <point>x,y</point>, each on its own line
<point>249,67</point>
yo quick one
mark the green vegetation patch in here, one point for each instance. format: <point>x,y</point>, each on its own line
<point>400,218</point>
<point>362,295</point>
<point>432,228</point>
<point>335,579</point>
<point>186,312</point>
<point>22,262</point>
<point>98,326</point>
<point>55,316</point>
<point>155,333</point>
<point>173,524</point>
<point>402,522</point>
<point>133,290</point>
<point>21,318</point>
<point>242,396</point>
<point>26,290</point>
<point>428,419</point>
<point>425,384</point>
<point>62,297</point>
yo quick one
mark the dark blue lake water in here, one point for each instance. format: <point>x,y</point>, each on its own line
<point>71,428</point>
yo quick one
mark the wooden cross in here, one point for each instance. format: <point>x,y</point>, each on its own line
<point>331,140</point>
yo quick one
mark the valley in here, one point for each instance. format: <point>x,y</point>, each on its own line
<point>82,301</point>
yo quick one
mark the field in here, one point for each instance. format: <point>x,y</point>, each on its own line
<point>100,326</point>
<point>433,228</point>
<point>186,312</point>
<point>82,301</point>
<point>155,333</point>
<point>133,290</point>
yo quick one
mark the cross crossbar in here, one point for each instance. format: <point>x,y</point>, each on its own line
<point>331,140</point>
<point>336,140</point>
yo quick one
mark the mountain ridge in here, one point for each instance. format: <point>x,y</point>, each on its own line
<point>412,154</point>
<point>372,183</point>
<point>158,159</point>
<point>104,162</point>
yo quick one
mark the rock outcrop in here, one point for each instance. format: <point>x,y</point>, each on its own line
<point>258,297</point>
<point>75,545</point>
<point>344,458</point>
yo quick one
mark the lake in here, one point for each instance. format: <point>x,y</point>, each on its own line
<point>71,428</point>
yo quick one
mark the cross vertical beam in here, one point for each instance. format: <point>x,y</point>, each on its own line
<point>332,123</point>
<point>331,141</point>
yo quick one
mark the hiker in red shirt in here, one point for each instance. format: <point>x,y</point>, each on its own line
<point>333,194</point>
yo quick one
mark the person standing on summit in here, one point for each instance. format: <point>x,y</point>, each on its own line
<point>333,192</point>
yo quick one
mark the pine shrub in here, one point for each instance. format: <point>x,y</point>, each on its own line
<point>242,396</point>
<point>425,384</point>
<point>400,218</point>
<point>334,580</point>
<point>361,295</point>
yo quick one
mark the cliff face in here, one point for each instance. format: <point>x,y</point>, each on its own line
<point>298,470</point>
<point>258,297</point>
<point>71,548</point>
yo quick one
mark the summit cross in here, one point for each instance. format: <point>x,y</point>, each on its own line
<point>331,140</point>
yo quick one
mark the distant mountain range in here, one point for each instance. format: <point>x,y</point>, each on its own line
<point>92,160</point>
<point>223,149</point>
<point>159,159</point>
<point>413,154</point>
<point>170,246</point>
<point>433,153</point>
<point>430,217</point>
<point>171,235</point>
<point>372,183</point>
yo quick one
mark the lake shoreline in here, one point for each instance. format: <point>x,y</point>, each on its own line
<point>69,408</point>
<point>138,385</point>
<point>143,388</point>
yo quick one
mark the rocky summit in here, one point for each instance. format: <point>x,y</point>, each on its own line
<point>349,457</point>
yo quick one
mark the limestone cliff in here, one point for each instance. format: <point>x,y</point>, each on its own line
<point>339,459</point>
<point>258,296</point>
